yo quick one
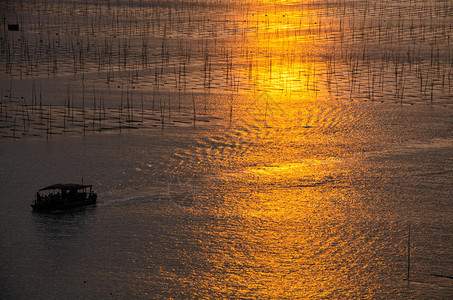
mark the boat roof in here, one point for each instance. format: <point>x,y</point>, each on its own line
<point>66,187</point>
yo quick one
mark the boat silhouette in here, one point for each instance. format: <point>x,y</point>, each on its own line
<point>63,196</point>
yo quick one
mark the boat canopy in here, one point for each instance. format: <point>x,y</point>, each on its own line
<point>66,187</point>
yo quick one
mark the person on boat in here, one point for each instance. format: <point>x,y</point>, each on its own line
<point>38,198</point>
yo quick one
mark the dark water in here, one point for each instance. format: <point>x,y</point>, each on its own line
<point>266,150</point>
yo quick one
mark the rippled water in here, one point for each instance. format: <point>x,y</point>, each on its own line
<point>263,150</point>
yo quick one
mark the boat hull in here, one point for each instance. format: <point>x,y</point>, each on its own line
<point>64,205</point>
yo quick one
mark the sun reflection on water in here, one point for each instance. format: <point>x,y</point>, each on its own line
<point>288,224</point>
<point>288,190</point>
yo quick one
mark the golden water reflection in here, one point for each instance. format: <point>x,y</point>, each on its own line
<point>292,231</point>
<point>279,54</point>
<point>289,223</point>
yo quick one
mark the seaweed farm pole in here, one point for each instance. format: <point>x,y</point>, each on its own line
<point>26,120</point>
<point>64,115</point>
<point>100,111</point>
<point>142,105</point>
<point>49,122</point>
<point>68,91</point>
<point>40,100</point>
<point>50,119</point>
<point>169,105</point>
<point>408,253</point>
<point>14,125</point>
<point>83,99</point>
<point>83,106</point>
<point>11,87</point>
<point>1,106</point>
<point>71,108</point>
<point>119,117</point>
<point>194,111</point>
<point>94,107</point>
<point>162,113</point>
<point>33,94</point>
<point>132,107</point>
<point>231,108</point>
<point>83,117</point>
<point>179,99</point>
<point>154,95</point>
<point>128,119</point>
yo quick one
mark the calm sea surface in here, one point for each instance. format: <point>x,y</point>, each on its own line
<point>239,149</point>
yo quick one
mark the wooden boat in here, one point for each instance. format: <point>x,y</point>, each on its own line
<point>63,196</point>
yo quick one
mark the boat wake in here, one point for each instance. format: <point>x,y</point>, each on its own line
<point>112,200</point>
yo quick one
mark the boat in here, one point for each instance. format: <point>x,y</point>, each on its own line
<point>63,196</point>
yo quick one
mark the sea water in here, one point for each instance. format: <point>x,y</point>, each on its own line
<point>244,149</point>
